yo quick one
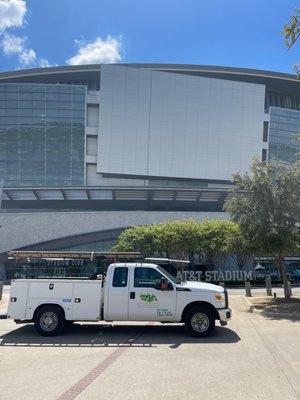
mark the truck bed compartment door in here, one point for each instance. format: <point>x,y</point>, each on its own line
<point>86,301</point>
<point>17,300</point>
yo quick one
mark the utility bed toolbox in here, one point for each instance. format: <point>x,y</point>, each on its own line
<point>80,299</point>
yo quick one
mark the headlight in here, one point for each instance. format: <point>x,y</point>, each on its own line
<point>219,297</point>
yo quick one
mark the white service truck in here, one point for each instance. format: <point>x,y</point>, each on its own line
<point>130,292</point>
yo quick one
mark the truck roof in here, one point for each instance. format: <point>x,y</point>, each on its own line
<point>134,264</point>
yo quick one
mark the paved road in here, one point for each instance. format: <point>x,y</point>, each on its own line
<point>253,358</point>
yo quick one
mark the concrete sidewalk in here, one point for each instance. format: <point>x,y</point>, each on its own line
<point>253,358</point>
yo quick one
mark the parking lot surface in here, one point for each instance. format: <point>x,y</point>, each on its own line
<point>254,357</point>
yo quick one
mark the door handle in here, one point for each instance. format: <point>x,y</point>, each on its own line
<point>132,295</point>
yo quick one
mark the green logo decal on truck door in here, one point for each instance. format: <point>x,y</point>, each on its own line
<point>148,297</point>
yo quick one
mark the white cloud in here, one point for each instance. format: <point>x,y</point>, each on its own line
<point>100,51</point>
<point>27,57</point>
<point>11,13</point>
<point>43,62</point>
<point>12,44</point>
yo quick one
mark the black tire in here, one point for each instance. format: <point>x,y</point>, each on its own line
<point>202,317</point>
<point>49,321</point>
<point>69,324</point>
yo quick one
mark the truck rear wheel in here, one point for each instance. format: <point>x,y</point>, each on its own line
<point>49,321</point>
<point>200,321</point>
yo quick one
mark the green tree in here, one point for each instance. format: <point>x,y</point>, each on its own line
<point>268,211</point>
<point>291,30</point>
<point>181,239</point>
<point>187,238</point>
<point>241,249</point>
<point>138,238</point>
<point>215,237</point>
<point>171,239</point>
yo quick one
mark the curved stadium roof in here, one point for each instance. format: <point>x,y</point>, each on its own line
<point>274,81</point>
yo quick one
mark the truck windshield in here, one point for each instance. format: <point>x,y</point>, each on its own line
<point>170,276</point>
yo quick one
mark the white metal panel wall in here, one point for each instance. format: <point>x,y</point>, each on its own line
<point>91,146</point>
<point>174,125</point>
<point>92,177</point>
<point>202,127</point>
<point>92,115</point>
<point>124,120</point>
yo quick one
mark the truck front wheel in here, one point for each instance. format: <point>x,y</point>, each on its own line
<point>200,321</point>
<point>49,321</point>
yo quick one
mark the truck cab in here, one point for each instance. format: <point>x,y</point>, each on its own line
<point>130,292</point>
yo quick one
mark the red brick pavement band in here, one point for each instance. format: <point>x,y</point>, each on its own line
<point>91,376</point>
<point>75,390</point>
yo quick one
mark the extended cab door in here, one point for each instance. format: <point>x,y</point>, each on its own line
<point>116,300</point>
<point>147,302</point>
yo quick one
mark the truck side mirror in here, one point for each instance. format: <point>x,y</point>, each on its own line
<point>163,284</point>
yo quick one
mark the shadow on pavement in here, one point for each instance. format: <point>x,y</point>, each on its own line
<point>279,308</point>
<point>100,335</point>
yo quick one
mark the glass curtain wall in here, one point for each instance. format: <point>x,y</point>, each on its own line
<point>284,129</point>
<point>42,134</point>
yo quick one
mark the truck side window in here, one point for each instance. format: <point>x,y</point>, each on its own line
<point>120,277</point>
<point>146,277</point>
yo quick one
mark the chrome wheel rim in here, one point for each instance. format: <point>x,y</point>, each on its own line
<point>200,322</point>
<point>49,321</point>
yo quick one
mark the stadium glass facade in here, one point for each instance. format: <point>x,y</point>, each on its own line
<point>86,151</point>
<point>42,134</point>
<point>284,145</point>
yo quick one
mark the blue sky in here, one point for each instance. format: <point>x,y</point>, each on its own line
<point>244,33</point>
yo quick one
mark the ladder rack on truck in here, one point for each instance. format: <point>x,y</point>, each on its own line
<point>92,255</point>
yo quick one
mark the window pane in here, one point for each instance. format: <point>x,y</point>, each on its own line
<point>265,134</point>
<point>120,277</point>
<point>146,277</point>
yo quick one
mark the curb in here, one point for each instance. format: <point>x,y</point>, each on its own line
<point>255,310</point>
<point>249,304</point>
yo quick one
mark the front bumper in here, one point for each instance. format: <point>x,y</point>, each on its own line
<point>225,314</point>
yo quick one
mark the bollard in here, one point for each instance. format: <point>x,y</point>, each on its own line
<point>1,290</point>
<point>222,284</point>
<point>269,286</point>
<point>290,288</point>
<point>248,289</point>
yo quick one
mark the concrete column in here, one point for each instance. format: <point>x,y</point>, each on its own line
<point>248,289</point>
<point>269,286</point>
